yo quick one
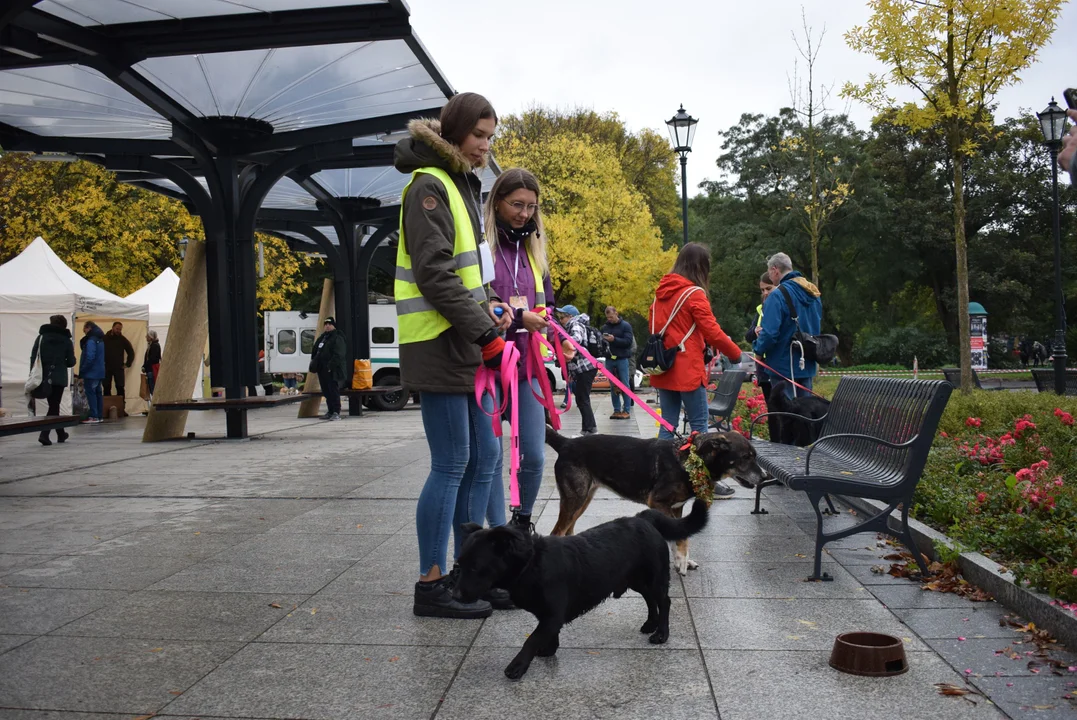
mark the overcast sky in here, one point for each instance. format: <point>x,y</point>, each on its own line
<point>720,58</point>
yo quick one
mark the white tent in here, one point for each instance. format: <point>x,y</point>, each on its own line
<point>37,284</point>
<point>160,295</point>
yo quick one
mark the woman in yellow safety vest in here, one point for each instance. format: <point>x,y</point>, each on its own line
<point>766,287</point>
<point>522,279</point>
<point>446,329</point>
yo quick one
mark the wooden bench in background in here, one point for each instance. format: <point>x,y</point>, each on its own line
<point>19,425</point>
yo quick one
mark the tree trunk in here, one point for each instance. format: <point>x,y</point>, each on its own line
<point>312,407</point>
<point>962,274</point>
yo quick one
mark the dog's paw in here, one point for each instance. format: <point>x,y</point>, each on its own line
<point>692,565</point>
<point>659,637</point>
<point>649,627</point>
<point>680,564</point>
<point>516,669</point>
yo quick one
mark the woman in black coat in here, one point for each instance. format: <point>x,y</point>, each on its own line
<point>151,361</point>
<point>57,355</point>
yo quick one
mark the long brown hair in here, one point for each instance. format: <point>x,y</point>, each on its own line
<point>462,113</point>
<point>694,263</point>
<point>507,183</point>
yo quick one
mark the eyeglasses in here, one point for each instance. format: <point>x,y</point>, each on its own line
<point>520,207</point>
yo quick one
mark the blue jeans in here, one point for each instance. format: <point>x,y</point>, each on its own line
<point>695,408</point>
<point>619,367</point>
<point>532,459</point>
<point>463,453</point>
<point>93,397</point>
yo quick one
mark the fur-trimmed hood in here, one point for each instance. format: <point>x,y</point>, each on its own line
<point>426,148</point>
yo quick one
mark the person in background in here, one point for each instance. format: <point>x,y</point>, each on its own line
<point>618,333</point>
<point>580,369</point>
<point>329,360</point>
<point>775,338</point>
<point>766,286</point>
<point>151,361</point>
<point>692,328</point>
<point>119,355</point>
<point>1066,156</point>
<point>92,370</point>
<point>57,355</point>
<point>522,278</point>
<point>447,328</point>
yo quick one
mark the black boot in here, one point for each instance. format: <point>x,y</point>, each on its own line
<point>61,435</point>
<point>522,523</point>
<point>434,599</point>
<point>43,438</point>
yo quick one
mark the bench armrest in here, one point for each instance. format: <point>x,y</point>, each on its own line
<point>878,441</point>
<point>751,428</point>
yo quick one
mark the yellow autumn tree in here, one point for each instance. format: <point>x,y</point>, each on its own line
<point>115,235</point>
<point>604,246</point>
<point>956,55</point>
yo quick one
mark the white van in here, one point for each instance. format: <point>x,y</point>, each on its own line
<point>289,340</point>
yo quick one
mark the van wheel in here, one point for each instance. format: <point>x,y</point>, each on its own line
<point>389,401</point>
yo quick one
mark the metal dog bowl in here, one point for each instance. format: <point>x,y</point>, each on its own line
<point>868,653</point>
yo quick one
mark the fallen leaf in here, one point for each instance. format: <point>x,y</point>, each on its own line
<point>275,605</point>
<point>1043,707</point>
<point>160,649</point>
<point>357,527</point>
<point>846,472</point>
<point>394,658</point>
<point>313,610</point>
<point>593,652</point>
<point>146,717</point>
<point>800,555</point>
<point>175,692</point>
<point>198,532</point>
<point>809,623</point>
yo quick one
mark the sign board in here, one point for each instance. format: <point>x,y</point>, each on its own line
<point>978,341</point>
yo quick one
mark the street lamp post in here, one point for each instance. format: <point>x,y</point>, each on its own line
<point>1053,124</point>
<point>682,131</point>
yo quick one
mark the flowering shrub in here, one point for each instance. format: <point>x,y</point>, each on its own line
<point>1002,479</point>
<point>750,404</point>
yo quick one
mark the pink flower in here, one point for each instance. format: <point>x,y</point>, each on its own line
<point>973,422</point>
<point>942,433</point>
<point>1074,572</point>
<point>981,497</point>
<point>1058,481</point>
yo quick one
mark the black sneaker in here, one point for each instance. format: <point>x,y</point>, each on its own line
<point>523,523</point>
<point>434,599</point>
<point>499,599</point>
<point>723,491</point>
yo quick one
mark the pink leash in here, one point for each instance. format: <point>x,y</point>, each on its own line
<point>612,378</point>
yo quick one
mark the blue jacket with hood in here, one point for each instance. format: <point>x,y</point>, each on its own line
<point>776,333</point>
<point>92,362</point>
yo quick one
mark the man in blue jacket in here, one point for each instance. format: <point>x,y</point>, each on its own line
<point>775,338</point>
<point>92,369</point>
<point>618,333</point>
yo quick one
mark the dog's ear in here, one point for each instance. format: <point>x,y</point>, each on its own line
<point>711,445</point>
<point>510,542</point>
<point>468,528</point>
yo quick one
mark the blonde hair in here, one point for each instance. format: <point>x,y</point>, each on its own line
<point>507,183</point>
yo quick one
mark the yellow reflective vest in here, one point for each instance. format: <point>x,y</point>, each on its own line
<point>416,317</point>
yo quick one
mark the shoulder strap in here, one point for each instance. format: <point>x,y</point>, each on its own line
<point>677,308</point>
<point>789,303</point>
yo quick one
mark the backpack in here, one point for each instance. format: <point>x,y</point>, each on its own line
<point>656,358</point>
<point>596,344</point>
<point>37,384</point>
<point>814,348</point>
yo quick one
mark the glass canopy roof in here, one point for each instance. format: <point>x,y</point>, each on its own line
<point>109,12</point>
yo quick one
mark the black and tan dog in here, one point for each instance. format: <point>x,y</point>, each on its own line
<point>800,431</point>
<point>558,579</point>
<point>644,471</point>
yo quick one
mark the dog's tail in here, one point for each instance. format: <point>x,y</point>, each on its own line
<point>682,529</point>
<point>555,440</point>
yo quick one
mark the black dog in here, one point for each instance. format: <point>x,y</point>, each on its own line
<point>557,579</point>
<point>794,431</point>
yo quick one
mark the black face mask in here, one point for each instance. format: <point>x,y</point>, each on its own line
<point>516,234</point>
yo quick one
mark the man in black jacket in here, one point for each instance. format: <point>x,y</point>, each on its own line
<point>329,360</point>
<point>618,334</point>
<point>116,348</point>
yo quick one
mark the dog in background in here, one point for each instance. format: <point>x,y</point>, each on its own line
<point>558,579</point>
<point>650,472</point>
<point>795,431</point>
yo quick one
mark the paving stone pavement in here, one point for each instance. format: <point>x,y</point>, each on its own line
<point>272,578</point>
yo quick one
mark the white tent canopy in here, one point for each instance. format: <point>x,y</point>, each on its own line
<point>37,284</point>
<point>160,295</point>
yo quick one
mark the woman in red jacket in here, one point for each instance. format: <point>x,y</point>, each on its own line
<point>693,327</point>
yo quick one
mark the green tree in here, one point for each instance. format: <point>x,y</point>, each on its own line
<point>957,55</point>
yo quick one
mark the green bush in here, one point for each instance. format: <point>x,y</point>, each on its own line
<point>1002,479</point>
<point>899,345</point>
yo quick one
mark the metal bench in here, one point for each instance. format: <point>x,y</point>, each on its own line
<point>18,425</point>
<point>873,444</point>
<point>953,376</point>
<point>724,401</point>
<point>1045,380</point>
<point>253,402</point>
